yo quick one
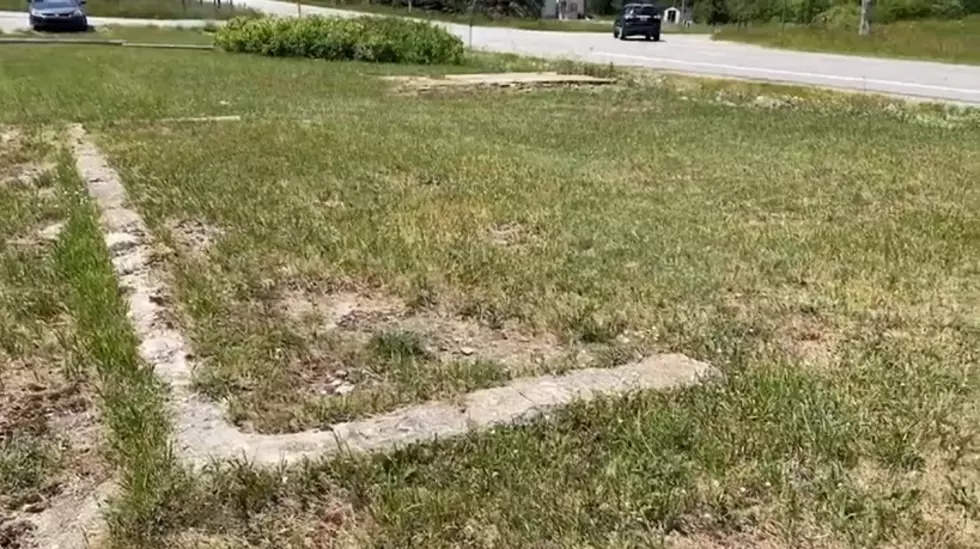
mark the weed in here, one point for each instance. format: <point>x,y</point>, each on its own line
<point>398,347</point>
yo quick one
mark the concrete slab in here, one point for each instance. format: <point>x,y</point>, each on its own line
<point>499,80</point>
<point>528,78</point>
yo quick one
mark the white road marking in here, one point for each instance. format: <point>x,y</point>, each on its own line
<point>795,74</point>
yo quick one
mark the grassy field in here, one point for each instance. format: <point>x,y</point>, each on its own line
<point>577,25</point>
<point>948,41</point>
<point>150,9</point>
<point>453,240</point>
<point>152,35</point>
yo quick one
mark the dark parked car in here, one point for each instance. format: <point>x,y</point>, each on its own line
<point>58,14</point>
<point>638,20</point>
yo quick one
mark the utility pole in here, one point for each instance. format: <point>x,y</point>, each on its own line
<point>864,27</point>
<point>472,15</point>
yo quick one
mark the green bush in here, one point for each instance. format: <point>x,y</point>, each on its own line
<point>369,38</point>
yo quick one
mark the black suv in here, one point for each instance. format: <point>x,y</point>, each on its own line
<point>638,20</point>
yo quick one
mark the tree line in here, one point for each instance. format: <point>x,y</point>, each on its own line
<point>827,12</point>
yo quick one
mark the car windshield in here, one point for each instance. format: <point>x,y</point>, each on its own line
<point>49,4</point>
<point>641,9</point>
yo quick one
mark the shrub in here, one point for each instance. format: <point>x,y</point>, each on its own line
<point>368,38</point>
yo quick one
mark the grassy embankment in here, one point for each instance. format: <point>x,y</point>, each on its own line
<point>956,41</point>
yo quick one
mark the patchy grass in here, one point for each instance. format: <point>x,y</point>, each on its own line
<point>162,84</point>
<point>65,340</point>
<point>956,41</point>
<point>151,9</point>
<point>48,433</point>
<point>845,415</point>
<point>404,249</point>
<point>133,402</point>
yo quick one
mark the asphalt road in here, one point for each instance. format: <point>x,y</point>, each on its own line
<point>694,54</point>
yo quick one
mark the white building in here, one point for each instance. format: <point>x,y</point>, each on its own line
<point>563,9</point>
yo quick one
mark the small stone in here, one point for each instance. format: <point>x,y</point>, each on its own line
<point>344,389</point>
<point>35,508</point>
<point>340,374</point>
<point>467,351</point>
<point>120,242</point>
<point>769,102</point>
<point>51,232</point>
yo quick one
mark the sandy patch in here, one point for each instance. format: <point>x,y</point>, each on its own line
<point>357,317</point>
<point>194,235</point>
<point>56,422</point>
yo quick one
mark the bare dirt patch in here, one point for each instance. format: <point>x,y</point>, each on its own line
<point>49,439</point>
<point>449,338</point>
<point>22,158</point>
<point>808,340</point>
<point>194,235</point>
<point>334,309</point>
<point>740,540</point>
<point>800,331</point>
<point>444,337</point>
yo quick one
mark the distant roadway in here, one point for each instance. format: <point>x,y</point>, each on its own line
<point>691,54</point>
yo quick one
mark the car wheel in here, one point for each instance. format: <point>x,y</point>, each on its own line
<point>656,37</point>
<point>648,37</point>
<point>622,34</point>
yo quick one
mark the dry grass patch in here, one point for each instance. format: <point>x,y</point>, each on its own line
<point>193,236</point>
<point>345,355</point>
<point>22,156</point>
<point>49,436</point>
